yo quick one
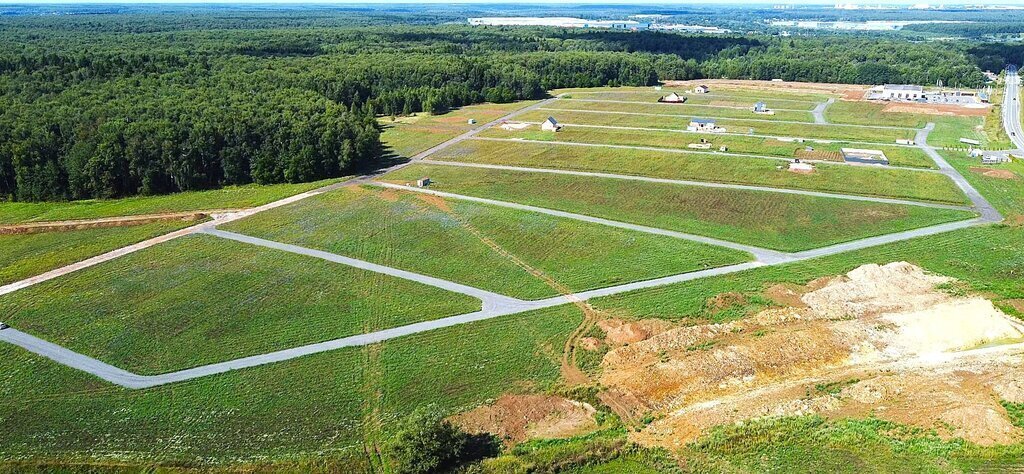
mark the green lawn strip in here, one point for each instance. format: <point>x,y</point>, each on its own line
<point>771,128</point>
<point>677,109</point>
<point>402,230</point>
<point>989,259</point>
<point>26,255</point>
<point>200,299</point>
<point>225,198</point>
<point>742,97</point>
<point>760,146</point>
<point>1006,194</point>
<point>765,219</point>
<point>407,136</point>
<point>948,129</point>
<point>871,113</point>
<point>840,179</point>
<point>306,408</point>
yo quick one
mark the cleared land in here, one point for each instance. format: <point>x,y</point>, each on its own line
<point>767,127</point>
<point>780,222</point>
<point>516,253</point>
<point>226,198</point>
<point>199,299</point>
<point>407,136</point>
<point>26,255</point>
<point>1000,184</point>
<point>898,155</point>
<point>948,131</point>
<point>869,181</point>
<point>688,108</point>
<point>730,96</point>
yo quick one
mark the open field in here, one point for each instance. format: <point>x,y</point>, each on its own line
<point>409,135</point>
<point>780,222</point>
<point>1002,185</point>
<point>26,255</point>
<point>687,109</point>
<point>948,131</point>
<point>745,96</point>
<point>233,197</point>
<point>844,179</point>
<point>506,251</point>
<point>200,299</point>
<point>59,414</point>
<point>767,127</point>
<point>758,146</point>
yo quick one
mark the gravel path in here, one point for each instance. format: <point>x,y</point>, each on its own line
<point>819,111</point>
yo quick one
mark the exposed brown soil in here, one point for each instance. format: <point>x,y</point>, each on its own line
<point>995,173</point>
<point>724,301</point>
<point>1017,304</point>
<point>936,109</point>
<point>619,332</point>
<point>799,87</point>
<point>589,343</point>
<point>880,340</point>
<point>121,221</point>
<point>517,418</point>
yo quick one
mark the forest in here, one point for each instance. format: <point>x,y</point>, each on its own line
<point>113,105</point>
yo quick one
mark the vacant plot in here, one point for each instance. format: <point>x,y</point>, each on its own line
<point>27,255</point>
<point>781,222</point>
<point>200,299</point>
<point>732,96</point>
<point>688,109</point>
<point>1007,195</point>
<point>511,252</point>
<point>948,131</point>
<point>670,139</point>
<point>870,181</point>
<point>766,127</point>
<point>234,197</point>
<point>407,136</point>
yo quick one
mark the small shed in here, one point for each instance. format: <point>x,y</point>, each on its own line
<point>471,121</point>
<point>423,182</point>
<point>701,89</point>
<point>551,125</point>
<point>672,98</point>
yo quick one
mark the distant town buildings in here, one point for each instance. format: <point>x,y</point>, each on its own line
<point>569,22</point>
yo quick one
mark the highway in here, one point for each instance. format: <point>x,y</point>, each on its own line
<point>1011,108</point>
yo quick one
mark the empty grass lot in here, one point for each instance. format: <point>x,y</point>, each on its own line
<point>26,255</point>
<point>757,146</point>
<point>232,197</point>
<point>445,239</point>
<point>201,299</point>
<point>407,136</point>
<point>1005,191</point>
<point>688,109</point>
<point>766,127</point>
<point>781,222</point>
<point>843,179</point>
<point>948,129</point>
<point>730,96</point>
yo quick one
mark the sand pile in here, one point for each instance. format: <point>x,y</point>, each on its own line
<point>893,320</point>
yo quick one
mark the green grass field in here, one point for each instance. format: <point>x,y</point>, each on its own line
<point>842,179</point>
<point>766,127</point>
<point>948,129</point>
<point>757,146</point>
<point>688,109</point>
<point>407,136</point>
<point>1005,193</point>
<point>226,198</point>
<point>483,246</point>
<point>26,255</point>
<point>782,222</point>
<point>719,94</point>
<point>200,299</point>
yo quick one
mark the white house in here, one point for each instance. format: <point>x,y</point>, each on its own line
<point>902,92</point>
<point>550,125</point>
<point>701,89</point>
<point>703,125</point>
<point>673,98</point>
<point>762,109</point>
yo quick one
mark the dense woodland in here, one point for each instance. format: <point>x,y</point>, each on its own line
<point>123,104</point>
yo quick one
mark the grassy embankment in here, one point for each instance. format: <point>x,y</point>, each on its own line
<point>841,179</point>
<point>507,251</point>
<point>199,299</point>
<point>232,197</point>
<point>762,218</point>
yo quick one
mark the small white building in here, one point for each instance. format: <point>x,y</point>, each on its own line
<point>704,125</point>
<point>471,121</point>
<point>673,98</point>
<point>761,108</point>
<point>551,125</point>
<point>902,92</point>
<point>701,89</point>
<point>423,182</point>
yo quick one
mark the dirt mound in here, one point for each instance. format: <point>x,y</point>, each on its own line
<point>881,339</point>
<point>517,418</point>
<point>995,173</point>
<point>619,332</point>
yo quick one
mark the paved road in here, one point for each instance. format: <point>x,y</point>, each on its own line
<point>819,111</point>
<point>1011,108</point>
<point>502,306</point>
<point>726,119</point>
<point>673,104</point>
<point>987,211</point>
<point>703,184</point>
